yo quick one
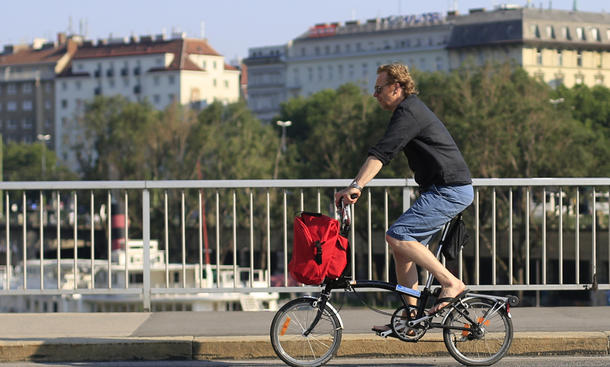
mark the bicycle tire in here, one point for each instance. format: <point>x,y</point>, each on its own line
<point>482,348</point>
<point>298,350</point>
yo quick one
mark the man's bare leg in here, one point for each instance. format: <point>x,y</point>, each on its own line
<point>420,255</point>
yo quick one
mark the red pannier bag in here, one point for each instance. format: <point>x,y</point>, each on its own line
<point>318,250</point>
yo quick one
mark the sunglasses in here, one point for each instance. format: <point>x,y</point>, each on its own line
<point>378,88</point>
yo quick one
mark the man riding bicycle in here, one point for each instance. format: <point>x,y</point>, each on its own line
<point>439,169</point>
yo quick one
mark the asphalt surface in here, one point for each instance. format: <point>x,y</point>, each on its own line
<point>244,335</point>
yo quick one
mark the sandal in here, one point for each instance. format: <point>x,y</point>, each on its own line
<point>451,301</point>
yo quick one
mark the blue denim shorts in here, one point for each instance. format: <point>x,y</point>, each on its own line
<point>432,209</point>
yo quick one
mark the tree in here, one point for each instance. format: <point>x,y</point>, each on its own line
<point>23,162</point>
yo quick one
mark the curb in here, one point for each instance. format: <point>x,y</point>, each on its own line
<point>253,347</point>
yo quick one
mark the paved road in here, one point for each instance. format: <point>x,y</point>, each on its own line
<point>557,361</point>
<point>245,335</point>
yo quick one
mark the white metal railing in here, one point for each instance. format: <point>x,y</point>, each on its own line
<point>528,234</point>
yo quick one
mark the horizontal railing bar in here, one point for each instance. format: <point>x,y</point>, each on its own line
<point>57,292</point>
<point>232,184</point>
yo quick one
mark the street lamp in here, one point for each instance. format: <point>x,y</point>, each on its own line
<point>43,138</point>
<point>284,125</point>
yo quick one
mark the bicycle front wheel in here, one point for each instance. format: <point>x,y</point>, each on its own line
<point>479,333</point>
<point>290,343</point>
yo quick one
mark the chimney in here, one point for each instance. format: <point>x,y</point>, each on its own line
<point>61,38</point>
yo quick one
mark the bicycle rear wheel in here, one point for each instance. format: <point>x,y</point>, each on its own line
<point>296,349</point>
<point>486,332</point>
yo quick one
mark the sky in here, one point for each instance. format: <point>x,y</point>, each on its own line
<point>230,26</point>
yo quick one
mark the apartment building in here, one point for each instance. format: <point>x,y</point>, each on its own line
<point>331,54</point>
<point>557,46</point>
<point>27,88</point>
<point>266,87</point>
<point>162,71</point>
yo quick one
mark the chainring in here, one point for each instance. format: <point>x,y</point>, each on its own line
<point>400,328</point>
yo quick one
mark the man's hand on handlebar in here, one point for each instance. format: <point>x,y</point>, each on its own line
<point>349,195</point>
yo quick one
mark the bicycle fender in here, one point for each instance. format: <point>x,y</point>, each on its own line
<point>332,308</point>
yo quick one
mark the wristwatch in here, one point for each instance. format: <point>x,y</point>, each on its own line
<point>355,185</point>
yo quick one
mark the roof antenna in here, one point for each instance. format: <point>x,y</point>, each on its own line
<point>575,5</point>
<point>202,30</point>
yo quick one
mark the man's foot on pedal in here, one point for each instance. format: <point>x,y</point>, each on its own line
<point>447,297</point>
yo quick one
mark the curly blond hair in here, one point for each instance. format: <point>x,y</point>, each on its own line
<point>399,73</point>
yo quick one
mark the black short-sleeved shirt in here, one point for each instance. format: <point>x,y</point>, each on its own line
<point>431,151</point>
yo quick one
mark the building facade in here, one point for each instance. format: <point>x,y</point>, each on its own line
<point>162,71</point>
<point>556,46</point>
<point>266,80</point>
<point>27,89</point>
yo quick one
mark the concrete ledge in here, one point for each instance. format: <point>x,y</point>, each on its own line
<point>253,347</point>
<point>94,349</point>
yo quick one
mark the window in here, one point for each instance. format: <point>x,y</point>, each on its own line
<point>11,89</point>
<point>171,79</point>
<point>64,103</point>
<point>310,73</point>
<point>579,58</point>
<point>580,34</point>
<point>595,34</point>
<point>303,52</point>
<point>26,88</point>
<point>157,99</point>
<point>78,84</point>
<point>320,76</point>
<point>27,105</point>
<point>159,61</point>
<point>365,69</point>
<point>12,124</point>
<point>535,30</point>
<point>156,80</point>
<point>11,106</point>
<point>214,65</point>
<point>330,72</point>
<point>565,33</point>
<point>226,84</point>
<point>27,123</point>
<point>351,71</point>
<point>560,57</point>
<point>64,86</point>
<point>538,56</point>
<point>340,70</point>
<point>550,32</point>
<point>203,64</point>
<point>214,82</point>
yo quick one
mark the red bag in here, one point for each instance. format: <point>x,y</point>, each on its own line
<point>318,251</point>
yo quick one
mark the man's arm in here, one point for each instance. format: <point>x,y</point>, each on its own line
<point>367,172</point>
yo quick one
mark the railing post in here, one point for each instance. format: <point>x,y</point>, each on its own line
<point>146,254</point>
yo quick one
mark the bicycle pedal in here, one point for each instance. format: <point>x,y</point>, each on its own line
<point>386,333</point>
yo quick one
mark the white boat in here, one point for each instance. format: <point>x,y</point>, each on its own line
<point>174,286</point>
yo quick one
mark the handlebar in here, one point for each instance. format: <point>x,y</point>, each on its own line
<point>345,216</point>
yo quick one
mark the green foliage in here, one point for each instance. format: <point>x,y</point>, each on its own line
<point>24,162</point>
<point>504,124</point>
<point>132,141</point>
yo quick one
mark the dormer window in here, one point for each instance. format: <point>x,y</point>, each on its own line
<point>580,34</point>
<point>565,33</point>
